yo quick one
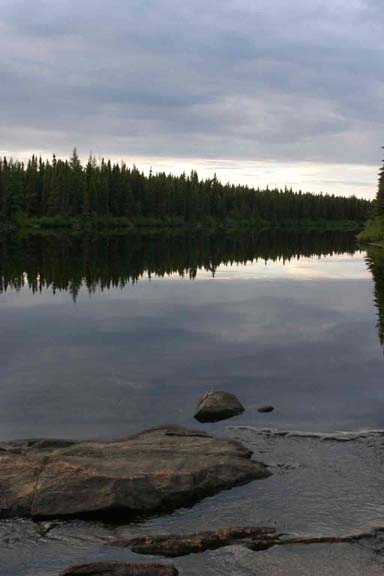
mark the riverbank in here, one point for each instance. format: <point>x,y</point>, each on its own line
<point>123,225</point>
<point>314,498</point>
<point>272,323</point>
<point>373,231</point>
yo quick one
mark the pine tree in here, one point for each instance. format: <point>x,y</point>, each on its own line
<point>76,184</point>
<point>380,193</point>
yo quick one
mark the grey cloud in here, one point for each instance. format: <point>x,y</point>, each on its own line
<point>233,79</point>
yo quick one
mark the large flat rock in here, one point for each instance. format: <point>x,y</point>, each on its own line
<point>154,471</point>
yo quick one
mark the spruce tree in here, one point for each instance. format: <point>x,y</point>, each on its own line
<point>380,193</point>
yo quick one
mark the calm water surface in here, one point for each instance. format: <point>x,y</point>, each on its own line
<point>104,337</point>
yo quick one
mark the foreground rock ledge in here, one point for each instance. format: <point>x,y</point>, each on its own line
<point>157,470</point>
<point>121,569</point>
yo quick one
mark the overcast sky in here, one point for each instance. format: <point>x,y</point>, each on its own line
<point>269,91</point>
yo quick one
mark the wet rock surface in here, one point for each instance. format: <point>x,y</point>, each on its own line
<point>121,569</point>
<point>254,538</point>
<point>157,470</point>
<point>308,500</point>
<point>216,405</point>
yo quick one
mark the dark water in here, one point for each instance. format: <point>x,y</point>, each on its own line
<point>103,337</point>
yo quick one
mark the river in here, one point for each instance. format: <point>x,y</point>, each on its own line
<point>102,337</point>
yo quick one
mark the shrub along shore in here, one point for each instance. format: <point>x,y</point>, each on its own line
<point>374,227</point>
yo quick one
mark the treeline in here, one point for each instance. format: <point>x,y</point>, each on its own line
<point>64,262</point>
<point>65,189</point>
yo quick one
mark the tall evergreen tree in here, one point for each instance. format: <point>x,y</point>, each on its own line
<point>380,193</point>
<point>76,184</point>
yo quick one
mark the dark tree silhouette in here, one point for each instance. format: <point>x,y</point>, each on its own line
<point>379,205</point>
<point>65,190</point>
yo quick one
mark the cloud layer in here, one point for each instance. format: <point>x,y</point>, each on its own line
<point>229,79</point>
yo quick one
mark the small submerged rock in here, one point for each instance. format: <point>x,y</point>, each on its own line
<point>171,546</point>
<point>216,405</point>
<point>121,569</point>
<point>265,409</point>
<point>43,528</point>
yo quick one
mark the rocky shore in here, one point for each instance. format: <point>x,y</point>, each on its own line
<point>172,546</point>
<point>157,470</point>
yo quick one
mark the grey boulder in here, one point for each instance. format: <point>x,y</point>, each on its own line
<point>216,405</point>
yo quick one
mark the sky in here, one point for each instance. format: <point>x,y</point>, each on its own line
<point>258,91</point>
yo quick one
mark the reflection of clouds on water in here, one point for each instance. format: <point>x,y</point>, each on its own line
<point>127,358</point>
<point>22,298</point>
<point>331,268</point>
<point>334,267</point>
<point>109,364</point>
<point>101,263</point>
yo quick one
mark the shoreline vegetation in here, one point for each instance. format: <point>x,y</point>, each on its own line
<point>374,227</point>
<point>63,194</point>
<point>373,232</point>
<point>120,225</point>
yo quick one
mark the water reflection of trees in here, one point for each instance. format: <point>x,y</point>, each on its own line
<point>375,262</point>
<point>102,262</point>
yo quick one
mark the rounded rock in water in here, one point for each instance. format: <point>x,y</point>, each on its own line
<point>216,405</point>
